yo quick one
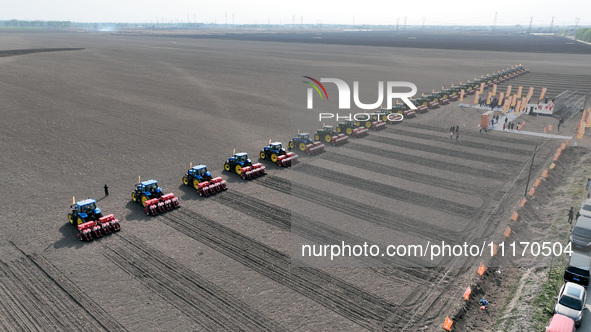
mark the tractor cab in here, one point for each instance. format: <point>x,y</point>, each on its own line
<point>328,129</point>
<point>304,137</point>
<point>276,147</point>
<point>199,171</point>
<point>87,207</point>
<point>149,188</point>
<point>241,158</point>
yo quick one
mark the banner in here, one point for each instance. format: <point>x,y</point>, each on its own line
<point>506,105</point>
<point>519,90</point>
<point>501,95</point>
<point>513,100</point>
<point>494,91</point>
<point>488,98</point>
<point>476,95</point>
<point>523,104</point>
<point>481,87</point>
<point>517,107</point>
<point>462,95</point>
<point>530,93</point>
<point>543,93</point>
<point>508,90</point>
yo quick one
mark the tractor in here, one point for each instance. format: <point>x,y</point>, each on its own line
<point>453,93</point>
<point>331,136</point>
<point>241,165</point>
<point>349,128</point>
<point>403,109</point>
<point>201,180</point>
<point>433,101</point>
<point>388,116</point>
<point>150,196</point>
<point>422,104</point>
<point>90,220</point>
<point>468,88</point>
<point>372,122</point>
<point>277,154</point>
<point>305,144</point>
<point>441,97</point>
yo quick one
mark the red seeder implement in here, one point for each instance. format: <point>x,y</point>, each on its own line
<point>212,186</point>
<point>166,202</point>
<point>96,229</point>
<point>250,172</point>
<point>287,159</point>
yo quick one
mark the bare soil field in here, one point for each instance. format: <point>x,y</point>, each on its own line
<point>102,109</point>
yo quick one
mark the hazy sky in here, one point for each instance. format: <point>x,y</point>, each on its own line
<point>481,12</point>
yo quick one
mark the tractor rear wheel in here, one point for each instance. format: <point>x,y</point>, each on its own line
<point>196,184</point>
<point>274,157</point>
<point>71,218</point>
<point>327,138</point>
<point>302,146</point>
<point>185,180</point>
<point>263,155</point>
<point>349,131</point>
<point>79,220</point>
<point>367,124</point>
<point>144,199</point>
<point>385,118</point>
<point>238,169</point>
<point>227,167</point>
<point>134,197</point>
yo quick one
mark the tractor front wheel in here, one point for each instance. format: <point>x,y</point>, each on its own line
<point>316,137</point>
<point>227,167</point>
<point>290,144</point>
<point>238,169</point>
<point>339,130</point>
<point>185,180</point>
<point>196,184</point>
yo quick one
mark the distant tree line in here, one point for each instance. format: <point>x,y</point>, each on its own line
<point>36,24</point>
<point>583,34</point>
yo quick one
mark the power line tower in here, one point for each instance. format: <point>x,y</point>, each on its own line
<point>552,23</point>
<point>495,21</point>
<point>531,19</point>
<point>397,20</point>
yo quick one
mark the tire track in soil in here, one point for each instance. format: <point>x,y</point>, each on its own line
<point>280,217</point>
<point>436,164</point>
<point>465,143</point>
<point>353,303</point>
<point>396,193</point>
<point>47,305</point>
<point>358,210</point>
<point>89,306</point>
<point>324,234</point>
<point>204,302</point>
<point>402,173</point>
<point>444,151</point>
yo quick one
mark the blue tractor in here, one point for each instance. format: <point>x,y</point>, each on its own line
<point>277,154</point>
<point>84,211</point>
<point>242,166</point>
<point>196,175</point>
<point>304,143</point>
<point>237,162</point>
<point>145,191</point>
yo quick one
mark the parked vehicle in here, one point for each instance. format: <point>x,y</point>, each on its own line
<point>578,268</point>
<point>570,302</point>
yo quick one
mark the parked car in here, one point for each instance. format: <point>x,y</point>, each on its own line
<point>586,209</point>
<point>570,302</point>
<point>578,268</point>
<point>581,234</point>
<point>560,323</point>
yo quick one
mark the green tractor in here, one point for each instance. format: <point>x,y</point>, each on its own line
<point>349,128</point>
<point>329,135</point>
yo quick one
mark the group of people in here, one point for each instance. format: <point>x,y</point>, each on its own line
<point>454,130</point>
<point>493,102</point>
